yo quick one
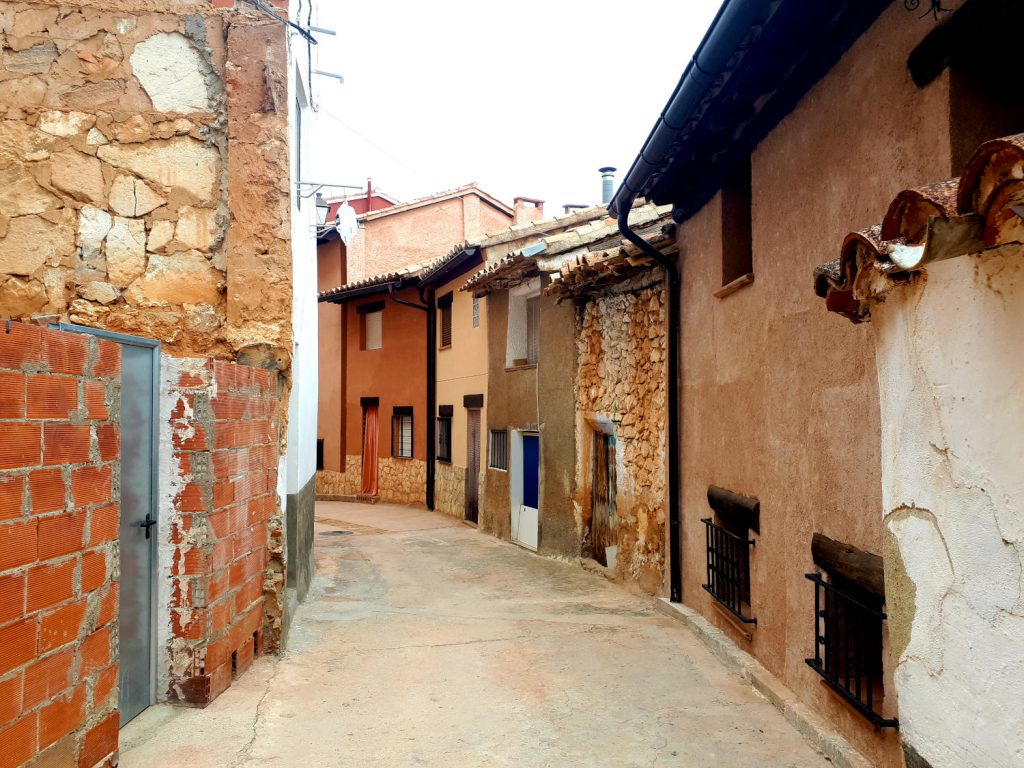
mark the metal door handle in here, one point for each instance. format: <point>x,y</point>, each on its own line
<point>148,523</point>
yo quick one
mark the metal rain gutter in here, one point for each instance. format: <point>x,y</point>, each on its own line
<point>711,63</point>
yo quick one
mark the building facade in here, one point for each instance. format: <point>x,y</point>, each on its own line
<point>776,407</point>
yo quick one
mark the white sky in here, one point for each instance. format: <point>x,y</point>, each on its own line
<point>526,98</point>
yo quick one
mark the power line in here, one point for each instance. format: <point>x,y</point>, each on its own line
<point>369,141</point>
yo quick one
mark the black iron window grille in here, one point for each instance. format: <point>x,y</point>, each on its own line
<point>444,439</point>
<point>497,455</point>
<point>729,570</point>
<point>848,648</point>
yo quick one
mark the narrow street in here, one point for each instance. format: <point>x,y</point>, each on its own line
<point>426,643</point>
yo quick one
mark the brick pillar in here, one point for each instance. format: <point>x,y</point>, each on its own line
<point>59,518</point>
<point>224,525</point>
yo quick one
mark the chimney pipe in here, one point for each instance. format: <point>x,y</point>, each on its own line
<point>607,183</point>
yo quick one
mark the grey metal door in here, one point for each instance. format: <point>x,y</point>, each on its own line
<point>138,526</point>
<point>140,367</point>
<point>473,465</point>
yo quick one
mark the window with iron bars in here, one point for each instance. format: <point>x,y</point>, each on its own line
<point>848,646</point>
<point>497,454</point>
<point>401,432</point>
<point>728,569</point>
<point>444,439</point>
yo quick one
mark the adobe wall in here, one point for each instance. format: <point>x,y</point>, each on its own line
<point>534,398</point>
<point>620,385</point>
<point>331,396</point>
<point>779,402</point>
<point>151,185</point>
<point>59,547</point>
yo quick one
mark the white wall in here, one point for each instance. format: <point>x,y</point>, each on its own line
<point>300,459</point>
<point>950,356</point>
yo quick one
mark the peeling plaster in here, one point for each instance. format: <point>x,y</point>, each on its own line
<point>951,381</point>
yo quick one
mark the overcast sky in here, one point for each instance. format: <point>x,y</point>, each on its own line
<point>527,98</point>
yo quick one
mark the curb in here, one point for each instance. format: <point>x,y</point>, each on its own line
<point>808,724</point>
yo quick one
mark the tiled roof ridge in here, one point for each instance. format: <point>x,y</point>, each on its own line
<point>979,210</point>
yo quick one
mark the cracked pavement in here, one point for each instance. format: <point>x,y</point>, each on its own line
<point>426,643</point>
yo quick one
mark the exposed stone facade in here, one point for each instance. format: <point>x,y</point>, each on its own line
<point>131,141</point>
<point>347,483</point>
<point>401,481</point>
<point>450,489</point>
<point>620,384</point>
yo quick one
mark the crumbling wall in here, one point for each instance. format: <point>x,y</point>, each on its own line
<point>59,521</point>
<point>143,174</point>
<point>222,563</point>
<point>620,381</point>
<point>951,379</point>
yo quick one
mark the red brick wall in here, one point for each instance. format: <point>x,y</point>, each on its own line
<point>59,518</point>
<point>225,433</point>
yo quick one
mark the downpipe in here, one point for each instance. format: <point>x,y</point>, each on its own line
<point>673,283</point>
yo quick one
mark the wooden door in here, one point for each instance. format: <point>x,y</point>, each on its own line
<point>473,465</point>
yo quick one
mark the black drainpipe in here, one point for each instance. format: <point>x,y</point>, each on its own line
<point>673,280</point>
<point>428,307</point>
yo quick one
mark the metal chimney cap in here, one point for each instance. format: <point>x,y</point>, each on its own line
<point>607,169</point>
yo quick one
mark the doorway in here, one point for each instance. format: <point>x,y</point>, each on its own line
<point>371,432</point>
<point>140,376</point>
<point>603,520</point>
<point>473,465</point>
<point>525,489</point>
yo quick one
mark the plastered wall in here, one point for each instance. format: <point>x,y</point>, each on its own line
<point>951,385</point>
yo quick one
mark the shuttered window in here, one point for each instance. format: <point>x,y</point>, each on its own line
<point>444,438</point>
<point>532,329</point>
<point>444,305</point>
<point>497,455</point>
<point>401,432</point>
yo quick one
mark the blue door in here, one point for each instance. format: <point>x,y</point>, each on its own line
<point>531,470</point>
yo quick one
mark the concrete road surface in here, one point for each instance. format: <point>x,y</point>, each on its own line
<point>426,643</point>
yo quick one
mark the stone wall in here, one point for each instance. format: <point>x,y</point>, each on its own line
<point>402,481</point>
<point>59,520</point>
<point>226,573</point>
<point>620,384</point>
<point>143,174</point>
<point>450,489</point>
<point>347,483</point>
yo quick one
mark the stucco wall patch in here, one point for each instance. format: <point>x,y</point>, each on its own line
<point>171,72</point>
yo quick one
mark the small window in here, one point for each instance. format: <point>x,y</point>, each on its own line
<point>523,330</point>
<point>371,325</point>
<point>737,235</point>
<point>532,330</point>
<point>401,432</point>
<point>444,305</point>
<point>728,545</point>
<point>497,454</point>
<point>476,311</point>
<point>444,439</point>
<point>848,618</point>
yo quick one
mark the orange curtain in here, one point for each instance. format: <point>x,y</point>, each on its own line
<point>370,433</point>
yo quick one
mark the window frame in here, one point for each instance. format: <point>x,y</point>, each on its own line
<point>399,415</point>
<point>445,414</point>
<point>503,436</point>
<point>444,305</point>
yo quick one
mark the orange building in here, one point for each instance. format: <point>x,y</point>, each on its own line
<point>373,341</point>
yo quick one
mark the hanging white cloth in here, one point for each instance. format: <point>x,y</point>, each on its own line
<point>347,225</point>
